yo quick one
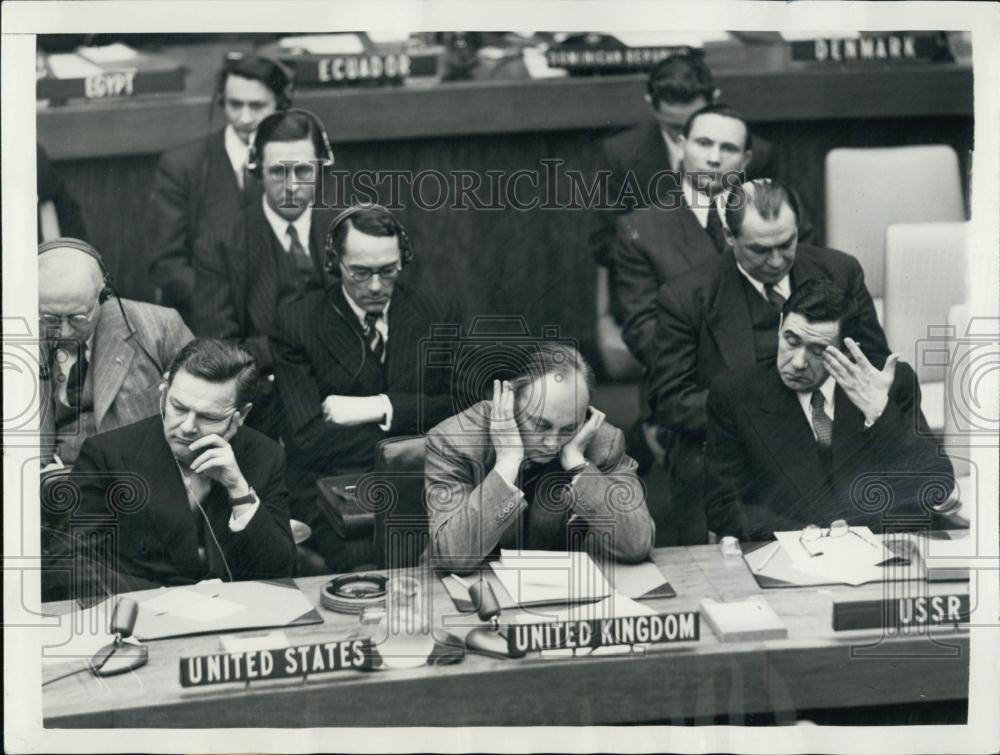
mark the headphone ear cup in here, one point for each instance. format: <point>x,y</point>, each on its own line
<point>106,293</point>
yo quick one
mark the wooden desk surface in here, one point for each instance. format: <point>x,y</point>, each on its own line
<point>150,125</point>
<point>813,668</point>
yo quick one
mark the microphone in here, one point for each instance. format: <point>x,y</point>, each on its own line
<point>119,656</point>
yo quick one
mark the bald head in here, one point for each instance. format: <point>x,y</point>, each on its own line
<point>69,283</point>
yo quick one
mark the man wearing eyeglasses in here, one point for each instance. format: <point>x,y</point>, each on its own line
<point>821,433</point>
<point>269,255</point>
<point>348,362</point>
<point>102,356</point>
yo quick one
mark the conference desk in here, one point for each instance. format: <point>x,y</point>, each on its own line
<point>814,667</point>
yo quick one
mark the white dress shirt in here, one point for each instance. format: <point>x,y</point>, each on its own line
<point>805,400</point>
<point>699,202</point>
<point>783,287</point>
<point>64,363</point>
<point>237,151</point>
<point>382,326</point>
<point>303,225</point>
<point>198,486</point>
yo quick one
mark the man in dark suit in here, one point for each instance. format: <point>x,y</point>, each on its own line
<point>270,254</point>
<point>202,185</point>
<point>348,362</point>
<point>188,495</point>
<point>530,467</point>
<point>724,315</point>
<point>820,434</point>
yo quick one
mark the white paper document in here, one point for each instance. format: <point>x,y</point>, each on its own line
<point>541,577</point>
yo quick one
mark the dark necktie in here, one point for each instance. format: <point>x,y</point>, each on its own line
<point>373,335</point>
<point>301,257</point>
<point>776,299</point>
<point>822,424</point>
<point>75,379</point>
<point>714,228</point>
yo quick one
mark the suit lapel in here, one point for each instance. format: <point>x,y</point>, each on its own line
<point>344,338</point>
<point>731,323</point>
<point>110,361</point>
<point>784,431</point>
<point>170,509</point>
<point>848,424</point>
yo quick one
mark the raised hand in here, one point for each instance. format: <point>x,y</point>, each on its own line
<point>572,453</point>
<point>504,433</point>
<point>214,458</point>
<point>865,386</point>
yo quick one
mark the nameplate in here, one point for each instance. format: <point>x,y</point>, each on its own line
<point>901,613</point>
<point>335,70</point>
<point>625,630</point>
<point>876,48</point>
<point>302,660</point>
<point>583,58</point>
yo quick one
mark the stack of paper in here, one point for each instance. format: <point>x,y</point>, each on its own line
<point>751,619</point>
<point>541,577</point>
<point>609,608</point>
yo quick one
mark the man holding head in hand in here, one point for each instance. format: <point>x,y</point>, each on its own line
<point>819,434</point>
<point>188,495</point>
<point>531,468</point>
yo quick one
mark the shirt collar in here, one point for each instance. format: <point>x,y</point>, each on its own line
<point>827,388</point>
<point>783,287</point>
<point>236,150</point>
<point>360,313</point>
<point>697,202</point>
<point>303,226</point>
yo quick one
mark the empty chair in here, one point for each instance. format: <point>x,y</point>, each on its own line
<point>868,190</point>
<point>925,271</point>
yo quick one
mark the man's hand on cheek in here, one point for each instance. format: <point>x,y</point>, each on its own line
<point>572,454</point>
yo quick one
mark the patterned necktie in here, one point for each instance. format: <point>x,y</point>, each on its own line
<point>74,381</point>
<point>776,299</point>
<point>714,228</point>
<point>373,335</point>
<point>821,423</point>
<point>301,257</point>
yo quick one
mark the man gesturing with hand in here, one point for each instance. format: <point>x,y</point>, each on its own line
<point>536,467</point>
<point>820,435</point>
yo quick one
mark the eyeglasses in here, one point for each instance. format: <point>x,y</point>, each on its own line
<point>54,321</point>
<point>362,274</point>
<point>812,534</point>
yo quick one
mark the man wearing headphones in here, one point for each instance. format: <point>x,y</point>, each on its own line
<point>348,362</point>
<point>102,356</point>
<point>270,253</point>
<point>186,495</point>
<point>202,185</point>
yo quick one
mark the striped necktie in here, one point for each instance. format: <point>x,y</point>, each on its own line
<point>374,336</point>
<point>776,299</point>
<point>714,228</point>
<point>300,256</point>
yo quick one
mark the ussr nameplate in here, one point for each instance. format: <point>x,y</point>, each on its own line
<point>299,661</point>
<point>623,630</point>
<point>901,613</point>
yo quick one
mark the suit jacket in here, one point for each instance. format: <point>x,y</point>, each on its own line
<point>651,247</point>
<point>123,376</point>
<point>642,151</point>
<point>704,328</point>
<point>473,511</point>
<point>195,192</point>
<point>130,485</point>
<point>243,276</point>
<point>319,350</point>
<point>764,472</point>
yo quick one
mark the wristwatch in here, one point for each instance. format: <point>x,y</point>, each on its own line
<point>250,497</point>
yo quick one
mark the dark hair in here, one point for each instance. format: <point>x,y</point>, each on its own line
<point>372,221</point>
<point>552,358</point>
<point>268,72</point>
<point>288,127</point>
<point>679,79</point>
<point>766,195</point>
<point>217,361</point>
<point>820,300</point>
<point>720,108</point>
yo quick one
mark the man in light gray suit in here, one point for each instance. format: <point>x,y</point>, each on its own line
<point>102,356</point>
<point>537,467</point>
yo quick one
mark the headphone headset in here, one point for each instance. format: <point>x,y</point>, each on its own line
<point>332,257</point>
<point>267,127</point>
<point>107,291</point>
<point>274,74</point>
